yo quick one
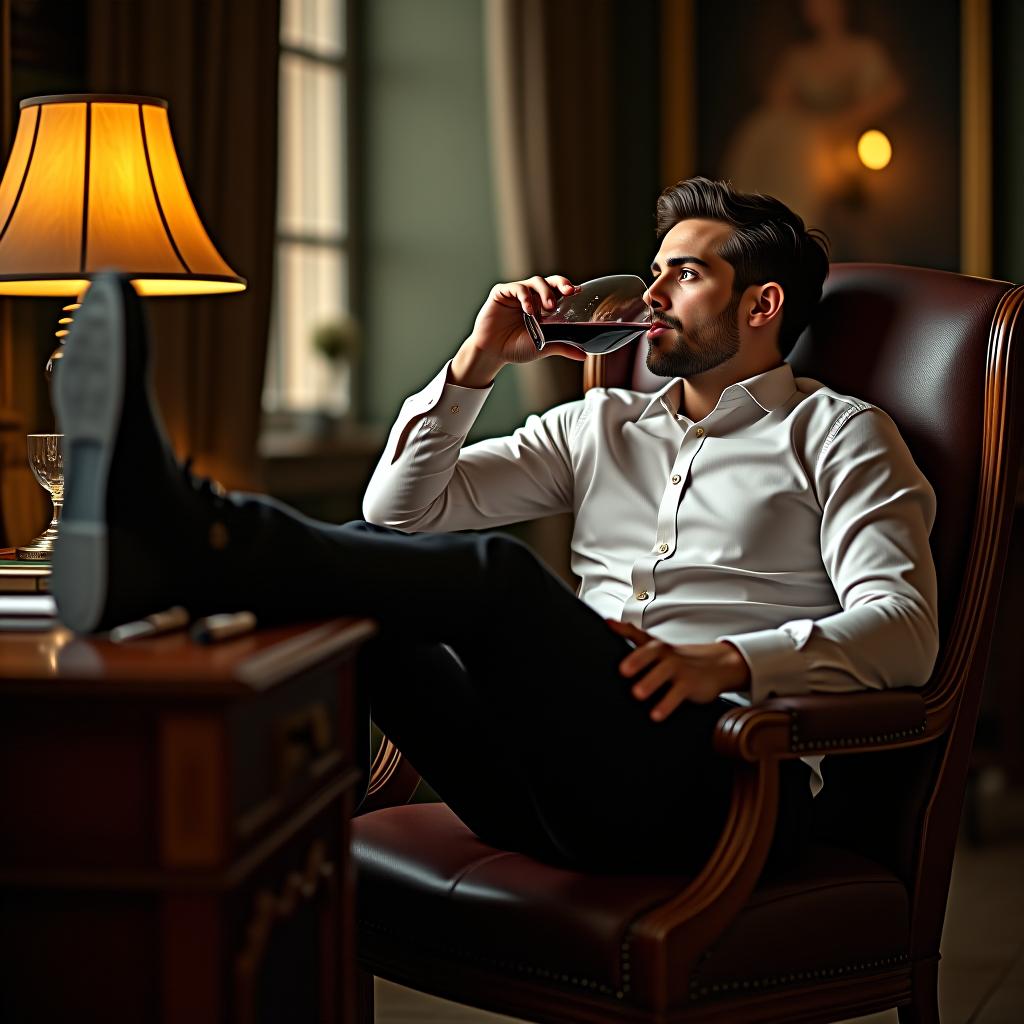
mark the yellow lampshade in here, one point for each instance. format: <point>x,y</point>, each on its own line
<point>93,183</point>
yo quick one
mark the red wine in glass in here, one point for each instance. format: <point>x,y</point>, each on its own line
<point>593,337</point>
<point>602,316</point>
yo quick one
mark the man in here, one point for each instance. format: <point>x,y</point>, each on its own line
<point>738,534</point>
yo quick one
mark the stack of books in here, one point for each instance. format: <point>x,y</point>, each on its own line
<point>25,602</point>
<point>18,577</point>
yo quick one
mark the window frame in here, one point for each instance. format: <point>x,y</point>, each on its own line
<point>284,419</point>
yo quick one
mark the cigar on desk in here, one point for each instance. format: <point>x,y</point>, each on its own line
<point>222,627</point>
<point>152,625</point>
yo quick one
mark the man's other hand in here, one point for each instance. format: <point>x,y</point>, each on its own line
<point>499,335</point>
<point>697,672</point>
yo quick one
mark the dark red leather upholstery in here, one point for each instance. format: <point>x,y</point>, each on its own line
<point>906,340</point>
<point>426,882</point>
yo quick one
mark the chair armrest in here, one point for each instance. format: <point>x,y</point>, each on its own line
<point>790,727</point>
<point>393,780</point>
<point>674,935</point>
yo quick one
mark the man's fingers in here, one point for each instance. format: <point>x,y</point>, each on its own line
<point>628,630</point>
<point>568,351</point>
<point>546,294</point>
<point>660,674</point>
<point>527,299</point>
<point>668,703</point>
<point>644,655</point>
<point>518,293</point>
<point>505,295</point>
<point>563,284</point>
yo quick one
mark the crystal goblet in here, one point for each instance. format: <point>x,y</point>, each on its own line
<point>46,457</point>
<point>599,317</point>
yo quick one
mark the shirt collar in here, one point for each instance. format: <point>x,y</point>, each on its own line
<point>665,399</point>
<point>769,390</point>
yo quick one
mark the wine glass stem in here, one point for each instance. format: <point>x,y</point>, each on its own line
<point>57,506</point>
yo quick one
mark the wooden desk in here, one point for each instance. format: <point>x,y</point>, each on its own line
<point>174,827</point>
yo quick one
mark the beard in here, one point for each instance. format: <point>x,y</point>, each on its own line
<point>707,344</point>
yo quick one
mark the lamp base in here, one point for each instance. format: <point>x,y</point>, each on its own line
<point>40,549</point>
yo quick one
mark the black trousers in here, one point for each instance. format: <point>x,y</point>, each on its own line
<point>503,690</point>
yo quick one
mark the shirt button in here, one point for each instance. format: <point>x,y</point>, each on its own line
<point>642,596</point>
<point>663,548</point>
<point>455,408</point>
<point>676,478</point>
<point>699,431</point>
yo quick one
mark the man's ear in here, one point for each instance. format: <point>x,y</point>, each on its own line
<point>765,304</point>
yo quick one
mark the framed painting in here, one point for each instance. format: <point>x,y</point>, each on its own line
<point>780,97</point>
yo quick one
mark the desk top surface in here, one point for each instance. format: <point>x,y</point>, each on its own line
<point>57,662</point>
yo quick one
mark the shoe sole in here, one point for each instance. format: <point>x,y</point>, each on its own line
<point>88,400</point>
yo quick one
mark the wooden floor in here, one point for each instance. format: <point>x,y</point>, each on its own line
<point>981,977</point>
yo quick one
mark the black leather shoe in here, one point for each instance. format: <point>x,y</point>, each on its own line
<point>134,535</point>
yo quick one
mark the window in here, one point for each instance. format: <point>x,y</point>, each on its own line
<point>310,313</point>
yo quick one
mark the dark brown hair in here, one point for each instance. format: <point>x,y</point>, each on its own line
<point>769,242</point>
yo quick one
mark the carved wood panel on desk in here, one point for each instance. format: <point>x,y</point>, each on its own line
<point>174,827</point>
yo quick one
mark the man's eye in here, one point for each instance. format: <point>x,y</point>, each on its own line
<point>686,270</point>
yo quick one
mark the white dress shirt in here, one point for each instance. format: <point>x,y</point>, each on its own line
<point>790,521</point>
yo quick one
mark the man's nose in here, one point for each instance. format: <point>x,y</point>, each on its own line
<point>651,297</point>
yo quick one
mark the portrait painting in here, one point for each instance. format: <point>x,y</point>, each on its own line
<point>785,92</point>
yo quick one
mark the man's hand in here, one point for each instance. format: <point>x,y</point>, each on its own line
<point>499,336</point>
<point>697,672</point>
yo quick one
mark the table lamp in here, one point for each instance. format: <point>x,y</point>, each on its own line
<point>93,183</point>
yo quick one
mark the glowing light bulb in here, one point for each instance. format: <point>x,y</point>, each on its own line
<point>874,149</point>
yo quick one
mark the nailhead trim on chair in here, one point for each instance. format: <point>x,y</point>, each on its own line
<point>699,991</point>
<point>846,741</point>
<point>540,972</point>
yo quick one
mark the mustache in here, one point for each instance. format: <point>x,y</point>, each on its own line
<point>665,320</point>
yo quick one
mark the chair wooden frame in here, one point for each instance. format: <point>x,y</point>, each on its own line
<point>669,939</point>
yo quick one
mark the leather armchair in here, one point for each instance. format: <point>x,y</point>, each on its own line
<point>855,927</point>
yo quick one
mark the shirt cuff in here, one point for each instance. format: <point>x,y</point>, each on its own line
<point>457,409</point>
<point>450,408</point>
<point>777,668</point>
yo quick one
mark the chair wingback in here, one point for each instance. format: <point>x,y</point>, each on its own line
<point>914,342</point>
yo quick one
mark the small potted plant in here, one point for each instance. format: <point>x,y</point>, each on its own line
<point>337,342</point>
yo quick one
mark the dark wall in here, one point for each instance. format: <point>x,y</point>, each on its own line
<point>47,57</point>
<point>635,153</point>
<point>1008,143</point>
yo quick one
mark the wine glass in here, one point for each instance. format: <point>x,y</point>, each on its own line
<point>603,315</point>
<point>46,457</point>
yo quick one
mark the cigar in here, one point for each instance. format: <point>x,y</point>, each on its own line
<point>222,627</point>
<point>152,625</point>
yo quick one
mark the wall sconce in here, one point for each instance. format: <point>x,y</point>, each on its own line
<point>874,149</point>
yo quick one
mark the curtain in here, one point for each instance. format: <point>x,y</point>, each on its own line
<point>549,85</point>
<point>215,62</point>
<point>21,508</point>
<point>549,79</point>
